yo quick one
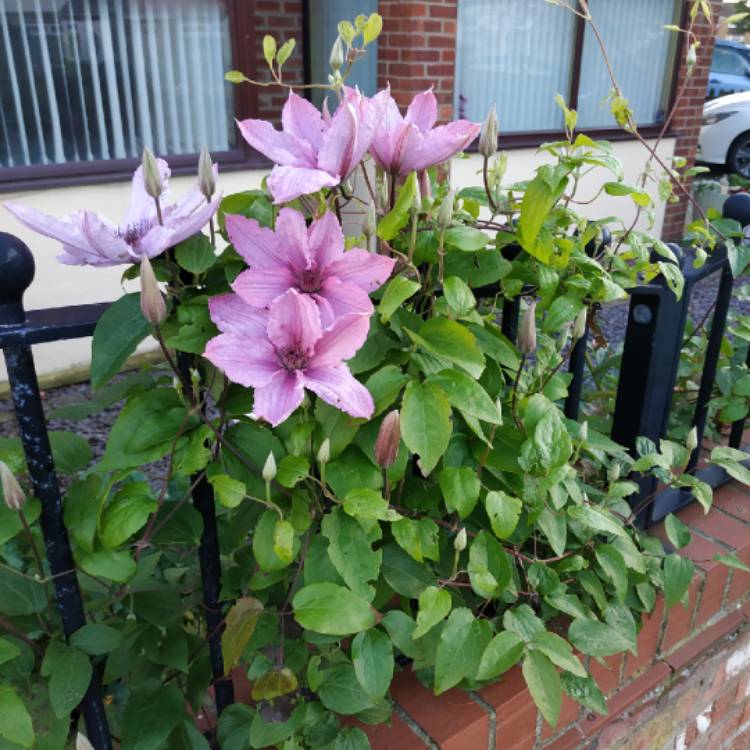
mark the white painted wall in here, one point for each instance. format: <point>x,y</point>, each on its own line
<point>56,285</point>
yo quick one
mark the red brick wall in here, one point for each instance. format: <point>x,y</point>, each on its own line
<point>687,119</point>
<point>283,20</point>
<point>417,49</point>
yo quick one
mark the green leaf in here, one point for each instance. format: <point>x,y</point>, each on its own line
<point>597,519</point>
<point>397,291</point>
<point>585,691</point>
<point>126,513</point>
<point>452,341</point>
<point>678,573</point>
<point>503,651</point>
<point>489,568</point>
<point>503,511</point>
<point>341,691</point>
<point>264,545</point>
<point>352,470</point>
<point>283,540</point>
<point>351,552</point>
<point>613,565</point>
<point>595,638</point>
<point>195,254</point>
<point>70,451</point>
<point>418,537</point>
<point>544,685</point>
<point>539,199</point>
<point>458,295</point>
<point>331,609</point>
<point>462,643</point>
<point>16,723</point>
<point>732,561</point>
<point>230,492</point>
<point>285,51</point>
<point>370,33</point>
<point>112,565</point>
<point>96,639</point>
<point>426,423</point>
<point>460,487</point>
<point>278,681</point>
<point>372,656</point>
<point>620,618</point>
<point>563,310</point>
<point>467,395</point>
<point>404,574</point>
<point>551,439</point>
<point>117,334</point>
<point>466,238</point>
<point>240,626</point>
<point>558,651</point>
<point>291,470</point>
<point>20,594</point>
<point>434,605</point>
<point>390,225</point>
<point>369,505</point>
<point>729,460</point>
<point>555,527</point>
<point>385,385</point>
<point>264,734</point>
<point>523,622</point>
<point>143,727</point>
<point>8,650</point>
<point>269,49</point>
<point>677,533</point>
<point>69,671</point>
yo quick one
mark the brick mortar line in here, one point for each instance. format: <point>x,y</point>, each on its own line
<point>415,727</point>
<point>492,728</point>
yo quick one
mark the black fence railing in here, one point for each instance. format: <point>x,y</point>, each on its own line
<point>650,360</point>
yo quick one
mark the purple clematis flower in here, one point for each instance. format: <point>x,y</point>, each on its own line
<point>311,260</point>
<point>281,352</point>
<point>410,143</point>
<point>313,151</point>
<point>90,239</point>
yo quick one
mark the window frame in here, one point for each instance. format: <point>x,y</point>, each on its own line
<point>533,138</point>
<point>45,176</point>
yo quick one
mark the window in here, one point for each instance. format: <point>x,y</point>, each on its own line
<point>729,62</point>
<point>520,54</point>
<point>86,84</point>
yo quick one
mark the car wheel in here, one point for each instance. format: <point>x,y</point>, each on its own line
<point>738,159</point>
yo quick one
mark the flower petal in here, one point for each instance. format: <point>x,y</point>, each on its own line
<point>154,242</point>
<point>288,183</point>
<point>341,341</point>
<point>63,230</point>
<point>291,233</point>
<point>422,111</point>
<point>344,298</point>
<point>338,387</point>
<point>339,140</point>
<point>107,248</point>
<point>276,400</point>
<point>247,361</point>
<point>185,226</point>
<point>258,245</point>
<point>232,314</point>
<point>294,322</point>
<point>259,287</point>
<point>366,270</point>
<point>280,147</point>
<point>441,143</point>
<point>326,240</point>
<point>302,119</point>
<point>141,204</point>
<point>391,123</point>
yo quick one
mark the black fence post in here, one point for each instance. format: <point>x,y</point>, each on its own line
<point>16,274</point>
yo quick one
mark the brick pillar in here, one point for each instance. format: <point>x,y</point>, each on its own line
<point>417,49</point>
<point>687,118</point>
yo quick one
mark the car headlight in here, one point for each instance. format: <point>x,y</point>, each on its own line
<point>713,117</point>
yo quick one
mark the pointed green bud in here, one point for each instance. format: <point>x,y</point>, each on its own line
<point>370,225</point>
<point>206,176</point>
<point>12,492</point>
<point>445,212</point>
<point>269,469</point>
<point>324,452</point>
<point>151,176</point>
<point>691,441</point>
<point>153,307</point>
<point>583,432</point>
<point>336,59</point>
<point>527,331</point>
<point>579,325</point>
<point>459,543</point>
<point>488,134</point>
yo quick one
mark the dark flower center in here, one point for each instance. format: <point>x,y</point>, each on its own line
<point>310,281</point>
<point>293,358</point>
<point>134,233</point>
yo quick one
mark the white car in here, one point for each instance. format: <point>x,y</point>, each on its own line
<point>725,135</point>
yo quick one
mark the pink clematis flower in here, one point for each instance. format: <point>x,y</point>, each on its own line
<point>313,151</point>
<point>90,239</point>
<point>281,352</point>
<point>310,260</point>
<point>410,143</point>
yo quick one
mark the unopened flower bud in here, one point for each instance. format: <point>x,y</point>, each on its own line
<point>459,543</point>
<point>206,176</point>
<point>82,742</point>
<point>12,492</point>
<point>324,452</point>
<point>692,56</point>
<point>527,332</point>
<point>614,472</point>
<point>488,134</point>
<point>151,176</point>
<point>691,442</point>
<point>269,468</point>
<point>336,59</point>
<point>388,440</point>
<point>445,213</point>
<point>153,307</point>
<point>579,325</point>
<point>370,225</point>
<point>583,432</point>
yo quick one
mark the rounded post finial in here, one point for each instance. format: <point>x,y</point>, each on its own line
<point>737,207</point>
<point>16,275</point>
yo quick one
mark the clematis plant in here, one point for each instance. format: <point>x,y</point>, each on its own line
<point>145,231</point>
<point>382,465</point>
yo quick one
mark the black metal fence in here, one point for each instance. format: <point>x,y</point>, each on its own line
<point>653,340</point>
